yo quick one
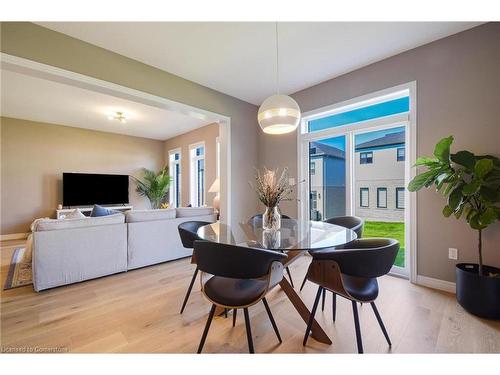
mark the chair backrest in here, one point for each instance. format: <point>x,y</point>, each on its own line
<point>187,231</point>
<point>234,261</point>
<point>366,257</point>
<point>351,222</point>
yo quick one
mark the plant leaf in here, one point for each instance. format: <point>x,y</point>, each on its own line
<point>465,159</point>
<point>442,149</point>
<point>488,217</point>
<point>447,211</point>
<point>483,167</point>
<point>421,180</point>
<point>455,198</point>
<point>424,161</point>
<point>471,188</point>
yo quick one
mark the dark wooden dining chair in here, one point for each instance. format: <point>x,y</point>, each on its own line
<point>187,232</point>
<point>254,220</point>
<point>242,276</point>
<point>352,272</point>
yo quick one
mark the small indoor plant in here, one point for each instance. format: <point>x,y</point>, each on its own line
<point>154,186</point>
<point>271,190</point>
<point>471,184</point>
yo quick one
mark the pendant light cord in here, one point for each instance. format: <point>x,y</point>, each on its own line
<point>277,62</point>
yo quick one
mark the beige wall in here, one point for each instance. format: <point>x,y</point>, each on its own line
<point>458,92</point>
<point>36,43</point>
<point>34,156</point>
<point>207,134</point>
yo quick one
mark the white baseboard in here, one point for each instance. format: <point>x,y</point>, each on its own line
<point>430,282</point>
<point>13,236</point>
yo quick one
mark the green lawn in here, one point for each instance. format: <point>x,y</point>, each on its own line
<point>389,230</point>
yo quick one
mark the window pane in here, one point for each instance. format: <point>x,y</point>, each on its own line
<point>327,170</point>
<point>400,197</point>
<point>388,108</point>
<point>382,197</point>
<point>364,197</point>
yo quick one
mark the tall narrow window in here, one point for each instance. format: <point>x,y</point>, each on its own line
<point>197,180</point>
<point>381,197</point>
<point>364,199</point>
<point>400,197</point>
<point>217,150</point>
<point>400,154</point>
<point>174,157</point>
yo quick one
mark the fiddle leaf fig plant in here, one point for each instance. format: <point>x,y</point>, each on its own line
<point>471,184</point>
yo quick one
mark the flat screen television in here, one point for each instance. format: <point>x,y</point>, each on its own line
<point>86,189</point>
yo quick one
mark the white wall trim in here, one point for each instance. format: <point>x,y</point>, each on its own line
<point>14,236</point>
<point>430,282</point>
<point>36,69</point>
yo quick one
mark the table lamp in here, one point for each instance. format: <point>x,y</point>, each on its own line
<point>215,188</point>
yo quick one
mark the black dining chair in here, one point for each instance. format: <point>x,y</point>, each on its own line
<point>352,272</point>
<point>187,232</point>
<point>254,220</point>
<point>242,276</point>
<point>350,222</point>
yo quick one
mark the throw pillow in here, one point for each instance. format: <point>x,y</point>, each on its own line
<point>102,211</point>
<point>75,214</point>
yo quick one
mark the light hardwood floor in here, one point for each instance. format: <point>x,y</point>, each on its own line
<point>138,311</point>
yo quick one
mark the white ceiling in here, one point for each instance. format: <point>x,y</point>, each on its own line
<point>239,58</point>
<point>38,99</point>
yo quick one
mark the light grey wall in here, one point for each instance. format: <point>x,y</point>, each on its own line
<point>36,43</point>
<point>458,92</point>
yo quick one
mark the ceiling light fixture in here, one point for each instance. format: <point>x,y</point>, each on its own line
<point>118,116</point>
<point>278,114</point>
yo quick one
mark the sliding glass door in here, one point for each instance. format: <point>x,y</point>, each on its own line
<point>354,162</point>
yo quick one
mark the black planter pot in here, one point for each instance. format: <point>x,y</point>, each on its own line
<point>479,295</point>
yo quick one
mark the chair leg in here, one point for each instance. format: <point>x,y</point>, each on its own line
<point>225,313</point>
<point>323,300</point>
<point>275,327</point>
<point>303,282</point>
<point>356,325</point>
<point>249,331</point>
<point>189,290</point>
<point>334,305</point>
<point>290,277</point>
<point>207,327</point>
<point>311,317</point>
<point>234,316</point>
<point>381,323</point>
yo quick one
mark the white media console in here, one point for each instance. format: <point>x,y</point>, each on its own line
<point>61,214</point>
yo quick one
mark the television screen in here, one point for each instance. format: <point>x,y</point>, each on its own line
<point>85,189</point>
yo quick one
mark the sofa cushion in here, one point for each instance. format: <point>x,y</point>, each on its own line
<point>135,216</point>
<point>54,224</point>
<point>75,214</point>
<point>194,211</point>
<point>98,211</point>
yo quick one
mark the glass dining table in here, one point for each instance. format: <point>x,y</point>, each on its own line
<point>295,238</point>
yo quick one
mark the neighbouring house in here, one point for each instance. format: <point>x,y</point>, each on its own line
<point>379,178</point>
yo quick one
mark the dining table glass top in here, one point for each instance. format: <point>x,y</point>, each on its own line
<point>293,235</point>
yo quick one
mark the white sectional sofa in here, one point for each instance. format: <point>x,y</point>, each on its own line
<point>73,250</point>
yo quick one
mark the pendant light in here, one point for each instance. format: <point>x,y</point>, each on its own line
<point>278,114</point>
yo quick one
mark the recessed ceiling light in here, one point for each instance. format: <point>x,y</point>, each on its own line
<point>119,116</point>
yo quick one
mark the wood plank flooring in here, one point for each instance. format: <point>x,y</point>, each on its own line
<point>138,312</point>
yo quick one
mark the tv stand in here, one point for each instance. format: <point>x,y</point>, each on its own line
<point>61,214</point>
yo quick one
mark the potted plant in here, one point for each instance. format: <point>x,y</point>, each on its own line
<point>471,184</point>
<point>154,187</point>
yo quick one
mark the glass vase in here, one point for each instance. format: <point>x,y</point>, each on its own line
<point>271,220</point>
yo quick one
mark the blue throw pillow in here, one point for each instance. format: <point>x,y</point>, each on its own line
<point>102,211</point>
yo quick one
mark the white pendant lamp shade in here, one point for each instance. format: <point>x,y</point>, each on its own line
<point>279,114</point>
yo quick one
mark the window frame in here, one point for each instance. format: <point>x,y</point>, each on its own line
<point>366,157</point>
<point>194,189</point>
<point>175,189</point>
<point>400,190</point>
<point>380,189</point>
<point>367,197</point>
<point>398,157</point>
